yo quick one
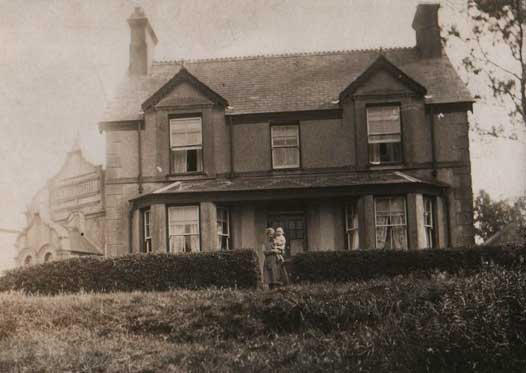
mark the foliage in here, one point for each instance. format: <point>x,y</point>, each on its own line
<point>358,265</point>
<point>145,272</point>
<point>496,45</point>
<point>403,324</point>
<point>492,216</point>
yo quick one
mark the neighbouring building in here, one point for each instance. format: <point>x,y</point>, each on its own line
<point>7,248</point>
<point>345,150</point>
<point>65,218</point>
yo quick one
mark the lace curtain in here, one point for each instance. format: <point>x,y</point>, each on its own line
<point>183,225</point>
<point>391,225</point>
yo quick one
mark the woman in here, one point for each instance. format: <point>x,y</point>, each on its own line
<point>274,273</point>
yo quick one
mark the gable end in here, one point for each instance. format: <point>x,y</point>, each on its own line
<point>183,75</point>
<point>383,64</point>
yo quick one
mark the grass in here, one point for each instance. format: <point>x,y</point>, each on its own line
<point>443,324</point>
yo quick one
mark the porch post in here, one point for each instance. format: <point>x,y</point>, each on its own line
<point>415,221</point>
<point>367,220</point>
<point>159,228</point>
<point>441,223</point>
<point>208,224</point>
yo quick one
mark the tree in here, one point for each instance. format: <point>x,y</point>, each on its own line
<point>492,216</point>
<point>496,45</point>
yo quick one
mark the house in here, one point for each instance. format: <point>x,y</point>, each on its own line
<point>65,218</point>
<point>7,248</point>
<point>356,149</point>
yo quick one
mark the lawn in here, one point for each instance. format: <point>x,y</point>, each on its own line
<point>441,323</point>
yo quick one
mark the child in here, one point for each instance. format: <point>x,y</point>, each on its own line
<point>279,244</point>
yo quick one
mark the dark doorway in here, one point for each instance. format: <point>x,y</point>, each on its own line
<point>293,224</point>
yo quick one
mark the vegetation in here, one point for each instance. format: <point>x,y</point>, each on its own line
<point>439,324</point>
<point>492,216</point>
<point>147,272</point>
<point>341,266</point>
<point>496,49</point>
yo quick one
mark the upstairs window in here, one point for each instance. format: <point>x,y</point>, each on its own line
<point>351,226</point>
<point>186,145</point>
<point>391,223</point>
<point>223,229</point>
<point>285,146</point>
<point>147,231</point>
<point>429,224</point>
<point>183,229</point>
<point>384,134</point>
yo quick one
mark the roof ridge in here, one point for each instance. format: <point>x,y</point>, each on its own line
<point>279,55</point>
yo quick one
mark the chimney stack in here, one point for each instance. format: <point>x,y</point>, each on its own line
<point>142,42</point>
<point>425,24</point>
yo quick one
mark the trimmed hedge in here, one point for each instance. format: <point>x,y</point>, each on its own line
<point>144,272</point>
<point>342,266</point>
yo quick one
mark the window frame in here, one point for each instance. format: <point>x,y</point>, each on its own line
<point>298,146</point>
<point>347,228</point>
<point>171,149</point>
<point>432,215</point>
<point>402,155</point>
<point>48,257</point>
<point>145,238</point>
<point>167,209</point>
<point>406,225</point>
<point>228,234</point>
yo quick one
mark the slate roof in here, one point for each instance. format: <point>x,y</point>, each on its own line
<point>257,183</point>
<point>295,82</point>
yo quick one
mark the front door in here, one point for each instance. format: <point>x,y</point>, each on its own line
<point>293,225</point>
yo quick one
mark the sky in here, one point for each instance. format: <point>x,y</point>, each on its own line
<point>61,60</point>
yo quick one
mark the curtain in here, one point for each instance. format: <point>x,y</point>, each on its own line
<point>399,239</point>
<point>382,231</point>
<point>355,237</point>
<point>183,229</point>
<point>286,157</point>
<point>179,161</point>
<point>199,160</point>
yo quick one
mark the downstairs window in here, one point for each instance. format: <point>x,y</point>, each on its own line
<point>183,229</point>
<point>391,223</point>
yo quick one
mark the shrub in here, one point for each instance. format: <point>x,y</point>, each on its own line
<point>147,272</point>
<point>341,266</point>
<point>444,323</point>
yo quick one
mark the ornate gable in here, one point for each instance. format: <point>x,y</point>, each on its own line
<point>77,187</point>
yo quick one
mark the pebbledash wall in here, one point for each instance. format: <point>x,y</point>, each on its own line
<point>333,140</point>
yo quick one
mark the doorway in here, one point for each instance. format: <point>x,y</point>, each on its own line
<point>293,224</point>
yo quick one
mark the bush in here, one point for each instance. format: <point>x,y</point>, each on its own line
<point>341,266</point>
<point>146,272</point>
<point>444,323</point>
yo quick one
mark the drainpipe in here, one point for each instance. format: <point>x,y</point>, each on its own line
<point>433,144</point>
<point>131,210</point>
<point>231,148</point>
<point>139,153</point>
<point>448,220</point>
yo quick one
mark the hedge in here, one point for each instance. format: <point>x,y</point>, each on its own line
<point>144,272</point>
<point>342,266</point>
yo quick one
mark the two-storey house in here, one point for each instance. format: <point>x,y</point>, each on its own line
<point>356,149</point>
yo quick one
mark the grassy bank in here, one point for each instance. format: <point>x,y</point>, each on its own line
<point>446,323</point>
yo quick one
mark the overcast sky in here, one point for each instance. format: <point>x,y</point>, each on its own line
<point>61,59</point>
